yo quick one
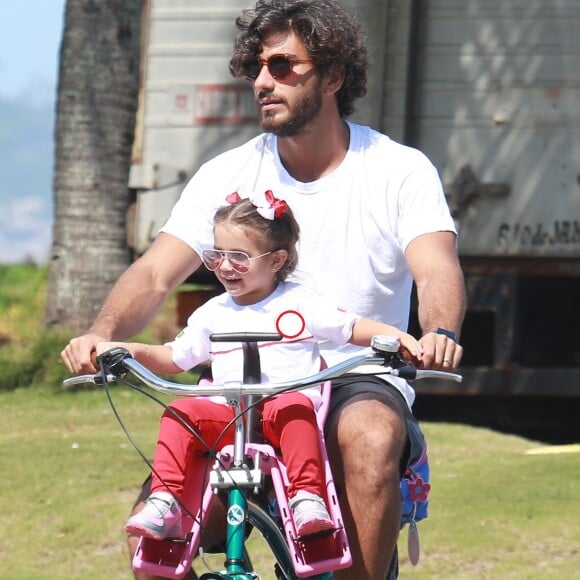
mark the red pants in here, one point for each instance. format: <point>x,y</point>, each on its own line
<point>288,423</point>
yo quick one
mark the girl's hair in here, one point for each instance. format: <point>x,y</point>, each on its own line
<point>280,233</point>
<point>332,36</point>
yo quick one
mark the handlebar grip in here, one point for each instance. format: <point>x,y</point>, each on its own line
<point>408,373</point>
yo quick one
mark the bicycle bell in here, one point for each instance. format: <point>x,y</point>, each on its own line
<point>384,343</point>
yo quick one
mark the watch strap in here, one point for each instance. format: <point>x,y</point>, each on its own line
<point>448,333</point>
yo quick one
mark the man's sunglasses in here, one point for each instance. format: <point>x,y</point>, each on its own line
<point>239,261</point>
<point>279,66</point>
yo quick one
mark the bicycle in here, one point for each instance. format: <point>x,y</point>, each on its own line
<point>244,468</point>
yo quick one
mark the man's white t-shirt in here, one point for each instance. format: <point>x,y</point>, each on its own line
<point>302,316</point>
<point>355,223</point>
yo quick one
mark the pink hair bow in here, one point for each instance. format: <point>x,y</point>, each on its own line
<point>266,204</point>
<point>233,198</point>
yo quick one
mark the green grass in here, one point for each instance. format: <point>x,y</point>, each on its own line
<point>68,473</point>
<point>496,512</point>
<point>69,477</point>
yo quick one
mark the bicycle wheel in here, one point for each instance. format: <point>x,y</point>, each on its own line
<point>269,530</point>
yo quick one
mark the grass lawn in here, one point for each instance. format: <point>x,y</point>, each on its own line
<point>69,476</point>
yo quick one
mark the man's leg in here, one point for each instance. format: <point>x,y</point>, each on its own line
<point>366,439</point>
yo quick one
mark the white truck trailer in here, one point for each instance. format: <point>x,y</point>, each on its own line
<point>488,89</point>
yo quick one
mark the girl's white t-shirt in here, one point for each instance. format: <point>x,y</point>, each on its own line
<point>302,317</point>
<point>355,223</point>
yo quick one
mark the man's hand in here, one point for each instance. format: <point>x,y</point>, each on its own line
<point>440,352</point>
<point>79,354</point>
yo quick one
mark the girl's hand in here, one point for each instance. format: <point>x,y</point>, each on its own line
<point>410,348</point>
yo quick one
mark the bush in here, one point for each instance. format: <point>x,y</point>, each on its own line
<point>28,353</point>
<point>35,362</point>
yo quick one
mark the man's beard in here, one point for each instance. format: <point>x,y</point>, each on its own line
<point>300,114</point>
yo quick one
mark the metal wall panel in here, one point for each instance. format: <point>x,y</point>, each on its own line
<point>494,103</point>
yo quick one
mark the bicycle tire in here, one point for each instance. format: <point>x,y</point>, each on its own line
<point>273,536</point>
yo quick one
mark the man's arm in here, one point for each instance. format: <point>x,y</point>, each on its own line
<point>135,299</point>
<point>434,263</point>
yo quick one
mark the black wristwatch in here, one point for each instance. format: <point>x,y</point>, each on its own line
<point>448,333</point>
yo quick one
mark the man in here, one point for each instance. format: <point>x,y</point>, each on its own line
<point>372,216</point>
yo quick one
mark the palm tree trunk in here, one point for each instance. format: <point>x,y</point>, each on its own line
<point>95,121</point>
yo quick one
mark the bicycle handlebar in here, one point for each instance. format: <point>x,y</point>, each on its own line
<point>116,362</point>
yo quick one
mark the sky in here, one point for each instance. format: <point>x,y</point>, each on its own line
<point>30,34</point>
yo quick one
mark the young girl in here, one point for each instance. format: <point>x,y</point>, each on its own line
<point>255,250</point>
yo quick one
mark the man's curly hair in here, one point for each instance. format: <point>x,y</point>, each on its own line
<point>332,36</point>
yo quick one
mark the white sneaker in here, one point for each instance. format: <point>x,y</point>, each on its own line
<point>310,513</point>
<point>160,518</point>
